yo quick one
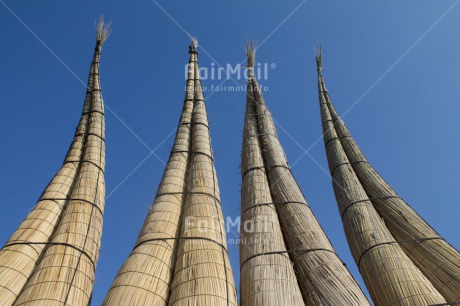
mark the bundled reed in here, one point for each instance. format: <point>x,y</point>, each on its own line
<point>20,254</point>
<point>22,251</point>
<point>267,274</point>
<point>391,277</point>
<point>202,275</point>
<point>51,258</point>
<point>322,277</point>
<point>145,277</point>
<point>434,256</point>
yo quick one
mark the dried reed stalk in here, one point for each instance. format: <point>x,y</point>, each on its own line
<point>145,277</point>
<point>20,254</point>
<point>202,275</point>
<point>322,277</point>
<point>103,30</point>
<point>267,273</point>
<point>22,251</point>
<point>391,277</point>
<point>435,257</point>
<point>64,272</point>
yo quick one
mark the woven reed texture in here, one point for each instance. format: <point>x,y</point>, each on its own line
<point>435,257</point>
<point>64,272</point>
<point>145,277</point>
<point>18,257</point>
<point>202,275</point>
<point>322,276</point>
<point>391,277</point>
<point>266,279</point>
<point>24,248</point>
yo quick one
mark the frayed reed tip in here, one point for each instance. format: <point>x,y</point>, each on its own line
<point>193,43</point>
<point>103,30</point>
<point>251,46</point>
<point>318,55</point>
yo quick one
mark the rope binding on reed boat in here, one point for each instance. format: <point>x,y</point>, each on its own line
<point>418,240</point>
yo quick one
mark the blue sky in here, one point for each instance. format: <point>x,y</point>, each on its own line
<point>393,67</point>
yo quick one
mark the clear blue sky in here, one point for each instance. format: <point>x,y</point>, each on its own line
<point>400,61</point>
